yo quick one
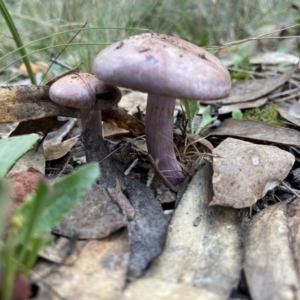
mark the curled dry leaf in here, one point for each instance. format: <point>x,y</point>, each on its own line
<point>247,171</point>
<point>247,90</point>
<point>290,111</point>
<point>202,255</point>
<point>269,261</point>
<point>257,131</point>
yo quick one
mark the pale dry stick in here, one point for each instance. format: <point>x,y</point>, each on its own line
<point>277,95</point>
<point>264,75</point>
<point>131,166</point>
<point>294,95</point>
<point>290,189</point>
<point>259,37</point>
<point>161,175</point>
<point>65,47</point>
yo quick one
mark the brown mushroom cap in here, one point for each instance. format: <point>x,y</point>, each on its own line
<point>163,65</point>
<point>79,90</point>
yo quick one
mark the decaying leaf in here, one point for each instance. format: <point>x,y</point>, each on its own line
<point>247,90</point>
<point>290,112</point>
<point>257,131</point>
<point>122,119</point>
<point>269,261</point>
<point>293,221</point>
<point>134,102</point>
<point>247,171</point>
<point>99,272</point>
<point>96,216</point>
<point>202,256</point>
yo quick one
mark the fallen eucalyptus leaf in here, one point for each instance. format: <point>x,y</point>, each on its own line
<point>247,90</point>
<point>99,273</point>
<point>247,172</point>
<point>202,257</point>
<point>257,131</point>
<point>96,216</point>
<point>269,262</point>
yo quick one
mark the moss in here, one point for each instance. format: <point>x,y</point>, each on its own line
<point>268,114</point>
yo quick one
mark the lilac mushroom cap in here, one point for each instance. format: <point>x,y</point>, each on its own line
<point>166,68</point>
<point>87,93</point>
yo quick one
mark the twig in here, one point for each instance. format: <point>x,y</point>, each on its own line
<point>161,175</point>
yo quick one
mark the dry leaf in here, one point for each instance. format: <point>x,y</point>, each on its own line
<point>247,90</point>
<point>290,112</point>
<point>258,131</point>
<point>247,171</point>
<point>122,119</point>
<point>274,58</point>
<point>96,216</point>
<point>293,221</point>
<point>202,256</point>
<point>269,262</point>
<point>134,102</point>
<point>99,273</point>
<point>225,109</point>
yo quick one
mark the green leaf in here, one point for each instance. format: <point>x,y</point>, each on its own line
<point>237,114</point>
<point>45,208</point>
<point>12,149</point>
<point>191,108</point>
<point>206,119</point>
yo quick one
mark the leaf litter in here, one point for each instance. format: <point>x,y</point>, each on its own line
<point>198,255</point>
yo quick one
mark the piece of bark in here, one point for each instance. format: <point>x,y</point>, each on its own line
<point>29,102</point>
<point>269,262</point>
<point>96,216</point>
<point>202,257</point>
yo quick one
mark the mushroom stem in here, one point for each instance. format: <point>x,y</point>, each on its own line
<point>92,120</point>
<point>159,136</point>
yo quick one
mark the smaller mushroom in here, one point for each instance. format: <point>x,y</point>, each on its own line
<point>89,94</point>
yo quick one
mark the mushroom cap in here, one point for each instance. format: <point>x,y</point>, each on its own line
<point>163,65</point>
<point>79,89</point>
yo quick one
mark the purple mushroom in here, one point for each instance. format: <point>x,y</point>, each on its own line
<point>89,94</point>
<point>166,68</point>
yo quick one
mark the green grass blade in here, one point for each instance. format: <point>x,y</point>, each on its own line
<point>17,39</point>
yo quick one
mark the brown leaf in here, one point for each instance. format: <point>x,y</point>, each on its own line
<point>99,273</point>
<point>247,171</point>
<point>202,255</point>
<point>269,262</point>
<point>122,119</point>
<point>96,216</point>
<point>293,221</point>
<point>247,90</point>
<point>290,112</point>
<point>257,131</point>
